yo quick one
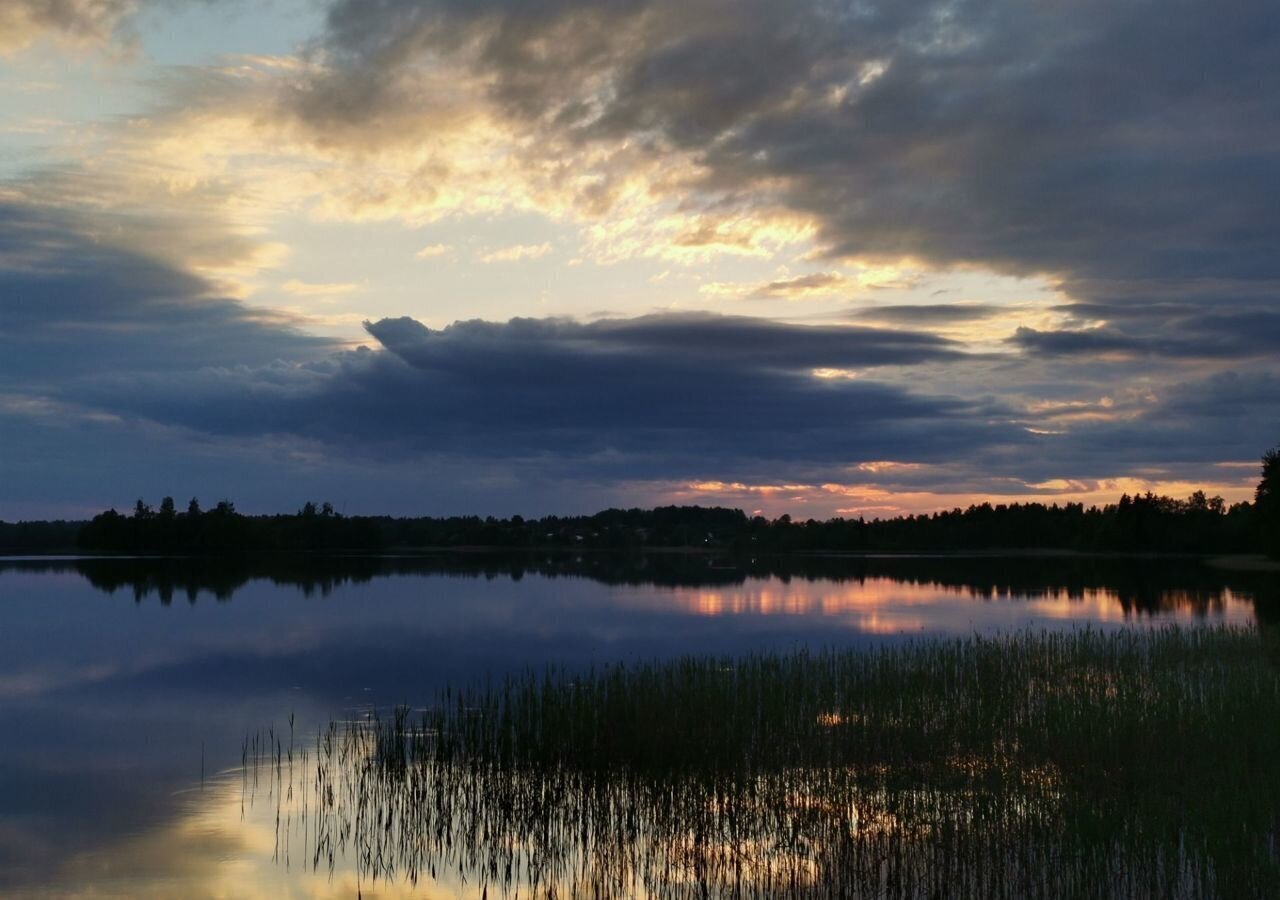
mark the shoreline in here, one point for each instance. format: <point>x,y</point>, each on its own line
<point>1230,562</point>
<point>1243,562</point>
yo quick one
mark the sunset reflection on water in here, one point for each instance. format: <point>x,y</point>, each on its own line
<point>887,605</point>
<point>127,685</point>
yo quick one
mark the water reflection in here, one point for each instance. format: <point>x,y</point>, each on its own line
<point>1108,588</point>
<point>118,677</point>
<point>885,606</point>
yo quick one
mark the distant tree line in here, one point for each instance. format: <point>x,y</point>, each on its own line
<point>39,537</point>
<point>1144,523</point>
<point>222,529</point>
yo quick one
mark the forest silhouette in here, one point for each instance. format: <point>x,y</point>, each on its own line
<point>1145,523</point>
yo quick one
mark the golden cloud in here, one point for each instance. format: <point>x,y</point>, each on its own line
<point>516,252</point>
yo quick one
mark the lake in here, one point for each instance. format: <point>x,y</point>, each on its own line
<point>130,688</point>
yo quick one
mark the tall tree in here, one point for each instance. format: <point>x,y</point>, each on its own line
<point>1267,502</point>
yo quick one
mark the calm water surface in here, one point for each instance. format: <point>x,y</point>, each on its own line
<point>127,687</point>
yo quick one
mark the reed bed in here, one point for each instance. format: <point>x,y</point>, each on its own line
<point>1128,764</point>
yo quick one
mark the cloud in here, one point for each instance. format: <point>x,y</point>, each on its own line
<point>1121,152</point>
<point>431,251</point>
<point>931,314</point>
<point>750,341</point>
<point>803,285</point>
<point>79,306</point>
<point>967,135</point>
<point>132,203</point>
<point>23,22</point>
<point>564,410</point>
<point>516,252</point>
<point>970,136</point>
<point>1231,397</point>
<point>1092,342</point>
<point>1181,330</point>
<point>1105,142</point>
<point>670,396</point>
<point>106,340</point>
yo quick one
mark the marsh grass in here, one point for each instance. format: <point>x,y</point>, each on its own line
<point>1131,763</point>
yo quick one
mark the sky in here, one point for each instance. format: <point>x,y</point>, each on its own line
<point>816,257</point>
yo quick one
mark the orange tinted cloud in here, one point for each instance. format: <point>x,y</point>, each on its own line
<point>876,501</point>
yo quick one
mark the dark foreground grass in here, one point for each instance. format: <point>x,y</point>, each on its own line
<point>1125,764</point>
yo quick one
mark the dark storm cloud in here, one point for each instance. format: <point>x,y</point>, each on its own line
<point>1232,396</point>
<point>74,305</point>
<point>656,396</point>
<point>1174,330</point>
<point>1089,343</point>
<point>1104,141</point>
<point>1232,416</point>
<point>741,340</point>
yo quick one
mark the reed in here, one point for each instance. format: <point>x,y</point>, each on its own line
<point>1131,763</point>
